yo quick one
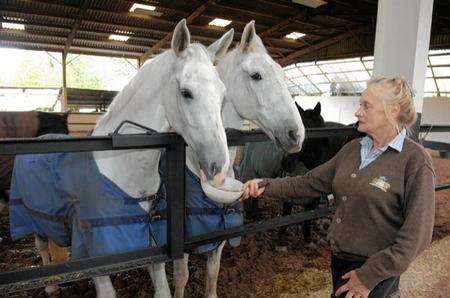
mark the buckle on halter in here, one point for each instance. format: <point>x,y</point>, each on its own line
<point>229,210</point>
<point>155,215</point>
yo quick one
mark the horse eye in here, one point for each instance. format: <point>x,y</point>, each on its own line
<point>186,93</point>
<point>256,76</point>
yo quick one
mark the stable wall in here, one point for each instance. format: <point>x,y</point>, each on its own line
<point>80,124</point>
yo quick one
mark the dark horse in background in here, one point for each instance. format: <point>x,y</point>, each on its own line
<point>314,153</point>
<point>25,125</point>
<point>266,160</point>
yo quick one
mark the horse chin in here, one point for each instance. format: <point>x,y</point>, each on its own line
<point>288,148</point>
<point>295,149</point>
<point>217,180</point>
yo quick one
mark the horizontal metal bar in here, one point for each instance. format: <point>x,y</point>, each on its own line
<point>239,137</point>
<point>35,145</point>
<point>434,128</point>
<point>326,132</point>
<point>136,141</point>
<point>140,141</point>
<point>440,187</point>
<point>436,145</point>
<point>93,143</point>
<point>22,280</point>
<point>252,228</point>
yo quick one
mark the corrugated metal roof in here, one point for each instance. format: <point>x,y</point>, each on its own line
<point>48,24</point>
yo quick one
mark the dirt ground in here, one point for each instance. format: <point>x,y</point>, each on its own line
<point>257,269</point>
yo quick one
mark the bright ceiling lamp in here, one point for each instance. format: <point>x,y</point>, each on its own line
<point>14,26</point>
<point>123,32</point>
<point>310,3</point>
<point>295,35</point>
<point>220,22</point>
<point>142,7</point>
<point>119,37</point>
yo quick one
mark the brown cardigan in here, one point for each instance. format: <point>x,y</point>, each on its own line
<point>385,211</point>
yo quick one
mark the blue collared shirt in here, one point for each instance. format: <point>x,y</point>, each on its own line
<point>368,154</point>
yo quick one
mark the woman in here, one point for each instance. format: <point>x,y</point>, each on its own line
<point>384,190</point>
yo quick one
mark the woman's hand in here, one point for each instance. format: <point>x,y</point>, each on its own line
<point>355,288</point>
<point>251,189</point>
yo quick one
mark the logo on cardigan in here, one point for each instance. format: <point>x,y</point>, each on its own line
<point>381,183</point>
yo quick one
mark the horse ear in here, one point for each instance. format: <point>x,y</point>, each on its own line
<point>299,108</point>
<point>317,108</point>
<point>220,47</point>
<point>181,37</point>
<point>248,36</point>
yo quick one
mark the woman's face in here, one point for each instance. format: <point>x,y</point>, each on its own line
<point>370,114</point>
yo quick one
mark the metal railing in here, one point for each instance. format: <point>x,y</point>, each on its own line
<point>20,280</point>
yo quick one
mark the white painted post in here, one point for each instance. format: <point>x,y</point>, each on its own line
<point>402,42</point>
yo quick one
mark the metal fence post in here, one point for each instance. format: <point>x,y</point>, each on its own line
<point>175,162</point>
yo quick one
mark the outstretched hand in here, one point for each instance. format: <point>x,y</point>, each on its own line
<point>354,287</point>
<point>252,189</point>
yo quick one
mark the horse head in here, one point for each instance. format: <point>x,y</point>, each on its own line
<point>257,89</point>
<point>311,118</point>
<point>194,104</point>
<point>314,150</point>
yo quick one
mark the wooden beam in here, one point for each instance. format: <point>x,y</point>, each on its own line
<point>64,83</point>
<point>35,46</point>
<point>196,13</point>
<point>24,36</point>
<point>282,24</point>
<point>36,15</point>
<point>76,25</point>
<point>140,33</point>
<point>215,10</point>
<point>306,50</point>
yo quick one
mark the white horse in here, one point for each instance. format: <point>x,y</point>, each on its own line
<point>178,89</point>
<point>256,91</point>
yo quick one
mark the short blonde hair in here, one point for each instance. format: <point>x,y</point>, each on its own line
<point>397,92</point>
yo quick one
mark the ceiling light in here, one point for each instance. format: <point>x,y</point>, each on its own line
<point>118,37</point>
<point>13,19</point>
<point>142,6</point>
<point>220,22</point>
<point>295,35</point>
<point>123,32</point>
<point>14,26</point>
<point>310,3</point>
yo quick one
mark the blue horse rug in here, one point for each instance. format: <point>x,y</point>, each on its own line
<point>64,196</point>
<point>202,215</point>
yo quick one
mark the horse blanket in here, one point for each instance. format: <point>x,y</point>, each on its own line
<point>202,215</point>
<point>65,197</point>
<point>260,159</point>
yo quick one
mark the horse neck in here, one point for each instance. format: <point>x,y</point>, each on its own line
<point>136,171</point>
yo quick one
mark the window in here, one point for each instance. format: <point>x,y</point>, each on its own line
<point>349,76</point>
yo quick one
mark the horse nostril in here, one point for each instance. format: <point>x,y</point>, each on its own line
<point>293,135</point>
